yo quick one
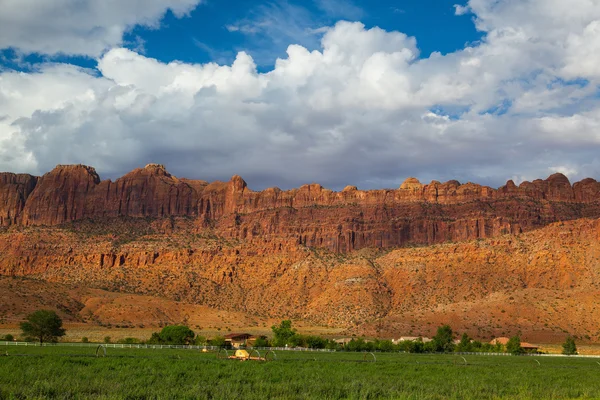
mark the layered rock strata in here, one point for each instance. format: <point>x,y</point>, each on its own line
<point>413,214</point>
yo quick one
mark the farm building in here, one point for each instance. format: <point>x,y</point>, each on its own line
<point>343,341</point>
<point>239,339</point>
<point>500,340</point>
<point>411,339</point>
<point>528,347</point>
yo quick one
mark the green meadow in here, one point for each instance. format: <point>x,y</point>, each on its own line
<point>76,373</point>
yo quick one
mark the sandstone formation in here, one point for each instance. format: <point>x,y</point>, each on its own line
<point>543,283</point>
<point>413,214</point>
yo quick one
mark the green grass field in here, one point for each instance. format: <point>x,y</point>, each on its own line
<point>75,373</point>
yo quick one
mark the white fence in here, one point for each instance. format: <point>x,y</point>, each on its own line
<point>113,345</point>
<point>302,349</point>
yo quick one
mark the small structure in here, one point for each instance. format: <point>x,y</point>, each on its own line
<point>411,339</point>
<point>501,340</point>
<point>343,341</point>
<point>243,355</point>
<point>527,347</point>
<point>237,340</point>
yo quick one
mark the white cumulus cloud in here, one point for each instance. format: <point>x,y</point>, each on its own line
<point>78,27</point>
<point>362,109</point>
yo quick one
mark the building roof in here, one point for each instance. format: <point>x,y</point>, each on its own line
<point>504,340</point>
<point>500,340</point>
<point>526,345</point>
<point>238,336</point>
<point>412,339</point>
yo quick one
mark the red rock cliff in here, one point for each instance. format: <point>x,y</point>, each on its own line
<point>311,215</point>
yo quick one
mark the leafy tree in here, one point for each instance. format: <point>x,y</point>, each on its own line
<point>297,341</point>
<point>9,338</point>
<point>44,325</point>
<point>356,345</point>
<point>283,333</point>
<point>176,334</point>
<point>465,344</point>
<point>569,347</point>
<point>333,345</point>
<point>261,341</point>
<point>154,339</point>
<point>316,342</point>
<point>384,345</point>
<point>412,346</point>
<point>85,339</point>
<point>514,346</point>
<point>443,339</point>
<point>218,341</point>
<point>200,340</point>
<point>106,339</point>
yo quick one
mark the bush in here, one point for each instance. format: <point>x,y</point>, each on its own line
<point>411,346</point>
<point>315,342</point>
<point>130,340</point>
<point>569,347</point>
<point>84,340</point>
<point>261,341</point>
<point>465,344</point>
<point>200,340</point>
<point>384,345</point>
<point>514,345</point>
<point>218,341</point>
<point>106,339</point>
<point>9,338</point>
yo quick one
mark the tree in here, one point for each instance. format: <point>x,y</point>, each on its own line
<point>200,340</point>
<point>44,325</point>
<point>176,334</point>
<point>514,346</point>
<point>261,341</point>
<point>465,344</point>
<point>384,345</point>
<point>443,339</point>
<point>569,347</point>
<point>218,341</point>
<point>283,333</point>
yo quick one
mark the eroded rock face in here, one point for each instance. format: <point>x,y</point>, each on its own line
<point>14,191</point>
<point>311,215</point>
<point>545,278</point>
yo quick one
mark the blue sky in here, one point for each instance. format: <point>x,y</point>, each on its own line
<point>208,33</point>
<point>334,91</point>
<point>204,36</point>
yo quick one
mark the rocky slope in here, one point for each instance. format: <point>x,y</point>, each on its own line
<point>413,214</point>
<point>544,283</point>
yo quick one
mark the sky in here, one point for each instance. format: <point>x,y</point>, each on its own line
<point>284,93</point>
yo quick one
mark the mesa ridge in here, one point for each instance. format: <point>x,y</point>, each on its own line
<point>311,215</point>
